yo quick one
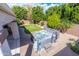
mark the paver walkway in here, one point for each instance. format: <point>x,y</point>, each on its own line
<point>26,45</point>
<point>74,30</point>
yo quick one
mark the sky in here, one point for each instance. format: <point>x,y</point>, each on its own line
<point>44,5</point>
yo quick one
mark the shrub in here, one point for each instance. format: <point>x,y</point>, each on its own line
<point>54,21</point>
<point>62,27</point>
<point>74,46</point>
<point>65,24</point>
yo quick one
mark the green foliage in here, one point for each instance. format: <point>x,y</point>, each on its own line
<point>54,21</point>
<point>76,14</point>
<point>38,13</point>
<point>65,24</point>
<point>18,21</point>
<point>69,14</point>
<point>75,47</point>
<point>51,10</point>
<point>66,11</point>
<point>20,12</point>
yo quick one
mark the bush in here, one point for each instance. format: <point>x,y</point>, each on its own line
<point>62,27</point>
<point>54,21</point>
<point>74,46</point>
<point>65,24</point>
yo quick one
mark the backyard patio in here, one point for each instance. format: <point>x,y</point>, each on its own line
<point>33,33</point>
<point>59,48</point>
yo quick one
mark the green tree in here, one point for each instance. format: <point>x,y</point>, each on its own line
<point>51,10</point>
<point>70,12</point>
<point>66,12</point>
<point>76,14</point>
<point>38,14</point>
<point>20,12</point>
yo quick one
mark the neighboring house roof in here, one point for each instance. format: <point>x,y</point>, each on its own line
<point>4,7</point>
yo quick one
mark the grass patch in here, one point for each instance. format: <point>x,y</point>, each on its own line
<point>33,27</point>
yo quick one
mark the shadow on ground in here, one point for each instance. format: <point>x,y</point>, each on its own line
<point>66,52</point>
<point>26,39</point>
<point>29,50</point>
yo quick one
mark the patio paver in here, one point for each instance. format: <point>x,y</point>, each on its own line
<point>74,30</point>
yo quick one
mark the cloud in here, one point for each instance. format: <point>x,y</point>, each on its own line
<point>44,5</point>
